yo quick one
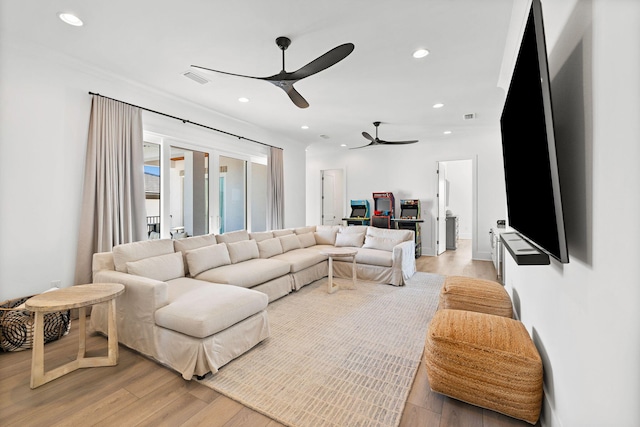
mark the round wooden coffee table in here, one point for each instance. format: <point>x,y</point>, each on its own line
<point>340,253</point>
<point>79,297</point>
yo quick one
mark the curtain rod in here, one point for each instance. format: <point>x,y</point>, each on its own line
<point>187,121</point>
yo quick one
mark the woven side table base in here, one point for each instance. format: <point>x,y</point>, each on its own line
<point>482,296</point>
<point>488,361</point>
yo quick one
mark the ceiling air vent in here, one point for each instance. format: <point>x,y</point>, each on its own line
<point>195,77</point>
<point>469,116</point>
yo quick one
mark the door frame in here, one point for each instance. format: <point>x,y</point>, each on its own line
<point>342,184</point>
<point>474,204</point>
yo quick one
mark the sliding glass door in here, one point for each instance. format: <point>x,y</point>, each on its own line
<point>232,194</point>
<point>192,190</point>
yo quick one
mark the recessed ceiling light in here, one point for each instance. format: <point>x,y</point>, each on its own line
<point>438,105</point>
<point>343,145</point>
<point>304,127</point>
<point>447,132</point>
<point>420,53</point>
<point>243,99</point>
<point>70,19</point>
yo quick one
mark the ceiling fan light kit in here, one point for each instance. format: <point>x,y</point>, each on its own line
<point>285,80</point>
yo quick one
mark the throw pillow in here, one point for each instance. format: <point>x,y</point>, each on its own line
<point>190,243</point>
<point>243,251</point>
<point>206,258</point>
<point>163,267</point>
<point>325,237</point>
<point>350,240</point>
<point>307,239</point>
<point>290,242</point>
<point>285,232</point>
<point>382,243</point>
<point>270,247</point>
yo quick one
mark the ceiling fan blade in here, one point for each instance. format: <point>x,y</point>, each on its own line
<point>295,96</point>
<point>399,142</point>
<point>323,62</point>
<point>369,137</point>
<point>368,145</point>
<point>229,74</point>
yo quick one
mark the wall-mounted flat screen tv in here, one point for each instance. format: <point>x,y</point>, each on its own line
<point>534,203</point>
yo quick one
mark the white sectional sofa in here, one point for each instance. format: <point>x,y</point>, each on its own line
<point>195,304</point>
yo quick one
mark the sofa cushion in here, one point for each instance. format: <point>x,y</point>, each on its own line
<point>210,309</point>
<point>307,239</point>
<point>357,229</point>
<point>349,240</point>
<point>161,267</point>
<point>207,257</point>
<point>299,259</point>
<point>135,251</point>
<point>247,274</point>
<point>184,245</point>
<point>233,236</point>
<point>261,235</point>
<point>374,257</point>
<point>243,251</point>
<point>400,235</point>
<point>285,232</point>
<point>270,247</point>
<point>305,230</point>
<point>290,242</point>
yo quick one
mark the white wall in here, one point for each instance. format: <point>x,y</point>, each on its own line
<point>44,118</point>
<point>409,172</point>
<point>584,316</point>
<point>459,176</point>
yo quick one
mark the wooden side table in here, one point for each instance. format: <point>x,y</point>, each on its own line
<point>79,297</point>
<point>340,252</point>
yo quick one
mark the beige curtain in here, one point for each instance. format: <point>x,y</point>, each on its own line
<point>113,205</point>
<point>275,190</point>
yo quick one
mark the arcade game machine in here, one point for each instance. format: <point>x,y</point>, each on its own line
<point>410,220</point>
<point>359,213</point>
<point>383,206</point>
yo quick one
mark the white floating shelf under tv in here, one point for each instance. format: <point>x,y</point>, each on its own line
<point>523,252</point>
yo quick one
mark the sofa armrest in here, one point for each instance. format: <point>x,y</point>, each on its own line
<point>135,309</point>
<point>142,296</point>
<point>102,261</point>
<point>404,257</point>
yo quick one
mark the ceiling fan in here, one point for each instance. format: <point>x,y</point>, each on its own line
<point>285,80</point>
<point>378,141</point>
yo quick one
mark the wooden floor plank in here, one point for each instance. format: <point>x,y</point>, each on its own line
<point>145,407</point>
<point>98,410</point>
<point>175,413</point>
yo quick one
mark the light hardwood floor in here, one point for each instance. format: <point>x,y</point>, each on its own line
<point>139,392</point>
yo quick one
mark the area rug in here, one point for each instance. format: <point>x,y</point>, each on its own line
<point>342,359</point>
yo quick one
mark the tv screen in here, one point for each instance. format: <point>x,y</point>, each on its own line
<point>534,203</point>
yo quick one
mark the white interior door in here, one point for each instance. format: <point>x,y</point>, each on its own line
<point>441,238</point>
<point>332,197</point>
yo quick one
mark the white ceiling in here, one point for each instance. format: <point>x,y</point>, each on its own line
<point>155,41</point>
